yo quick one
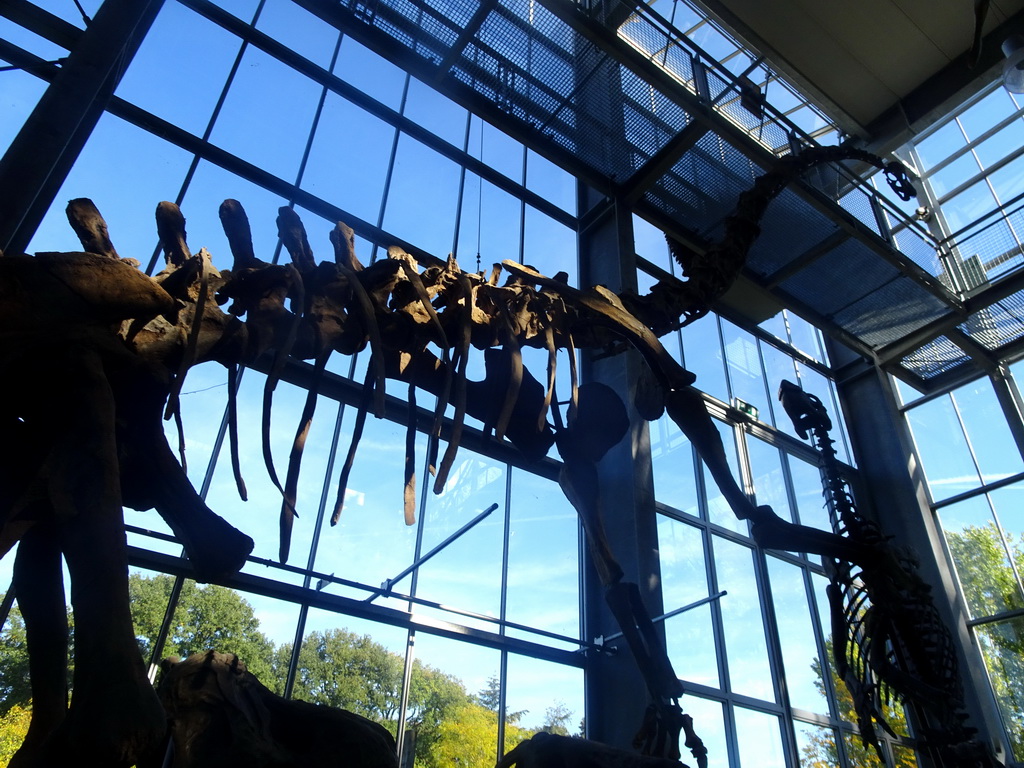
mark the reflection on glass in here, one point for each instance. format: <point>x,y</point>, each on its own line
<point>1002,644</point>
<point>810,499</point>
<point>816,745</point>
<point>543,558</point>
<point>800,657</point>
<point>987,431</point>
<point>746,375</point>
<point>761,738</point>
<point>719,510</point>
<point>466,573</point>
<point>989,581</point>
<point>769,482</point>
<point>742,621</point>
<point>675,483</point>
<point>945,455</point>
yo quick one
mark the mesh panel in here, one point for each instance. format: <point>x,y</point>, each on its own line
<point>939,356</point>
<point>857,203</point>
<point>998,324</point>
<point>894,311</point>
<point>790,228</point>
<point>919,250</point>
<point>845,276</point>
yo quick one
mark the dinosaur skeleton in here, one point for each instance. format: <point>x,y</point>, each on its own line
<point>126,341</point>
<point>888,639</point>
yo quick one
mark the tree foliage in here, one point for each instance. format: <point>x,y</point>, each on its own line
<point>207,617</point>
<point>990,587</point>
<point>449,726</point>
<point>13,727</point>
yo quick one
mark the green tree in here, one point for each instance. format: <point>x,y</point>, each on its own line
<point>206,618</point>
<point>556,719</point>
<point>490,698</point>
<point>341,669</point>
<point>15,689</point>
<point>13,727</point>
<point>990,587</point>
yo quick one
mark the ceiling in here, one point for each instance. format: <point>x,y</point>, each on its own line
<point>608,91</point>
<point>883,69</point>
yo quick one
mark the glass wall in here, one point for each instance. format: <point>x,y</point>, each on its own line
<point>975,477</point>
<point>461,633</point>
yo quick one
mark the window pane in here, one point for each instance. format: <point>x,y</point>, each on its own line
<point>969,206</point>
<point>541,695</point>
<point>709,725</point>
<point>370,73</point>
<point>746,374</point>
<point>992,109</point>
<point>550,246</point>
<point>675,482</point>
<point>800,657</point>
<point>1002,645</point>
<point>419,213</point>
<point>1008,181</point>
<point>719,510</point>
<point>348,161</point>
<point>460,729</point>
<point>543,575</point>
<point>690,636</point>
<point>202,60</point>
<point>817,745</point>
<point>983,565</point>
<point>372,511</point>
<point>298,29</point>
<point>761,739</point>
<point>275,142</point>
<point>702,355</point>
<point>953,175</point>
<point>945,456</point>
<point>438,114</point>
<point>989,434</point>
<point>742,621</point>
<point>125,172</point>
<point>769,482</point>
<point>809,494</point>
<point>551,182</point>
<point>940,145</point>
<point>466,573</point>
<point>489,227</point>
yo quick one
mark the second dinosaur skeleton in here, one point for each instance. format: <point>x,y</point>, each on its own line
<point>309,310</point>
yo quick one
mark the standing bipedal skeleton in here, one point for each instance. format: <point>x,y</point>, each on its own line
<point>96,348</point>
<point>888,640</point>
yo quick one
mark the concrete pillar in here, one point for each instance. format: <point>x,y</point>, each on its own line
<point>616,694</point>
